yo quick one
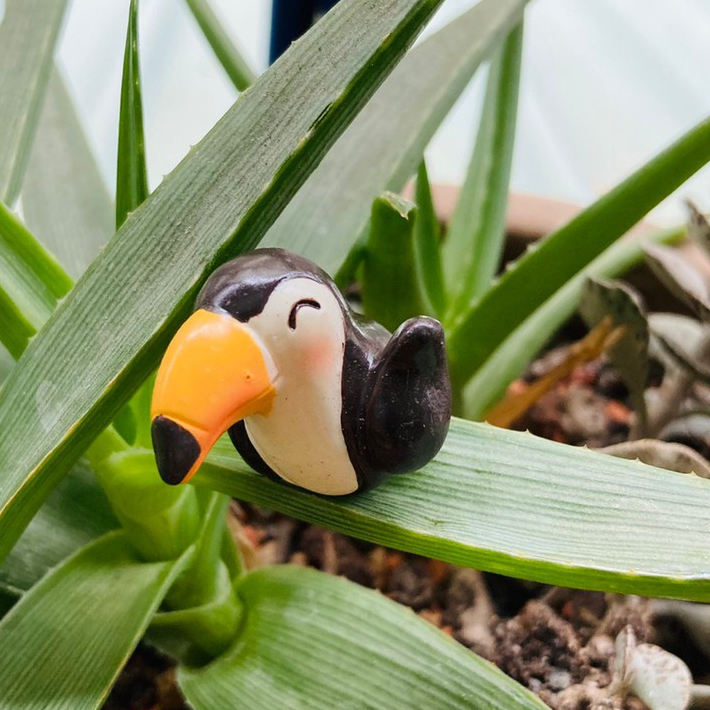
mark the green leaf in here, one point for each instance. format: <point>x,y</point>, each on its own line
<point>208,549</point>
<point>217,203</point>
<point>390,292</point>
<point>198,634</point>
<point>347,271</point>
<point>474,240</point>
<point>131,192</point>
<point>204,608</point>
<point>31,283</point>
<point>521,290</point>
<point>313,640</point>
<point>35,281</point>
<point>228,54</point>
<point>15,329</point>
<point>508,502</point>
<point>76,513</point>
<point>63,644</point>
<point>427,246</point>
<point>511,357</point>
<point>6,363</point>
<point>131,175</point>
<point>385,144</point>
<point>64,198</point>
<point>159,521</point>
<point>28,34</point>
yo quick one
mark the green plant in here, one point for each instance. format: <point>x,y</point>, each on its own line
<point>98,552</point>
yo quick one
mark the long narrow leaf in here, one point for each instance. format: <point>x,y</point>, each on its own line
<point>217,203</point>
<point>474,241</point>
<point>64,199</point>
<point>76,513</point>
<point>427,245</point>
<point>544,269</point>
<point>131,192</point>
<point>520,347</point>
<point>228,54</point>
<point>28,34</point>
<point>316,641</point>
<point>385,144</point>
<point>390,291</point>
<point>15,327</point>
<point>6,363</point>
<point>131,174</point>
<point>63,644</point>
<point>203,608</point>
<point>31,283</point>
<point>32,280</point>
<point>508,502</point>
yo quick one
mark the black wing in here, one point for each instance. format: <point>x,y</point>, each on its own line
<point>406,406</point>
<point>409,407</point>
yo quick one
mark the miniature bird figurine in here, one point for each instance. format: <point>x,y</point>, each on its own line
<point>310,392</point>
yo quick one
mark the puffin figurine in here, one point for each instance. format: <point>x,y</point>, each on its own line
<point>310,392</point>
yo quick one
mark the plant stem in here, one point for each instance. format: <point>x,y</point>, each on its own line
<point>199,584</point>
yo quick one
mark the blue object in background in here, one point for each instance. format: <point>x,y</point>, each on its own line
<point>290,19</point>
<point>322,6</point>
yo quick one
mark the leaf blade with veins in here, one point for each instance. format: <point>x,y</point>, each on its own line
<point>28,34</point>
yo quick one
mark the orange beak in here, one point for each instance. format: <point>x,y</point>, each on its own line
<point>213,374</point>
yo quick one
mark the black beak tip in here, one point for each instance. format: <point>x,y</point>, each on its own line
<point>176,449</point>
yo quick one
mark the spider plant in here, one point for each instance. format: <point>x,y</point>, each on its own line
<point>99,553</point>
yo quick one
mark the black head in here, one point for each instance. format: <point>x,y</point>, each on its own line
<point>242,287</point>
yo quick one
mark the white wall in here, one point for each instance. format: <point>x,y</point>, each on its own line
<point>606,84</point>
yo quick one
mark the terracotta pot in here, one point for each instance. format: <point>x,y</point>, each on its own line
<point>530,217</point>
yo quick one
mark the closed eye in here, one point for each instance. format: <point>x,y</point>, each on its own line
<point>303,303</point>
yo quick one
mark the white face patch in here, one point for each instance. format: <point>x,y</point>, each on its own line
<point>301,438</point>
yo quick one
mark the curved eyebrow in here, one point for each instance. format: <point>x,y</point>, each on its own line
<point>303,303</point>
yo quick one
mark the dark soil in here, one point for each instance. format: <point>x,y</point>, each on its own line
<point>557,642</point>
<point>146,682</point>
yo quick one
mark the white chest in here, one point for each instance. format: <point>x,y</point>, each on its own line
<point>301,438</point>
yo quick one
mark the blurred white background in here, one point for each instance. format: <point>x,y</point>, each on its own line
<point>605,85</point>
